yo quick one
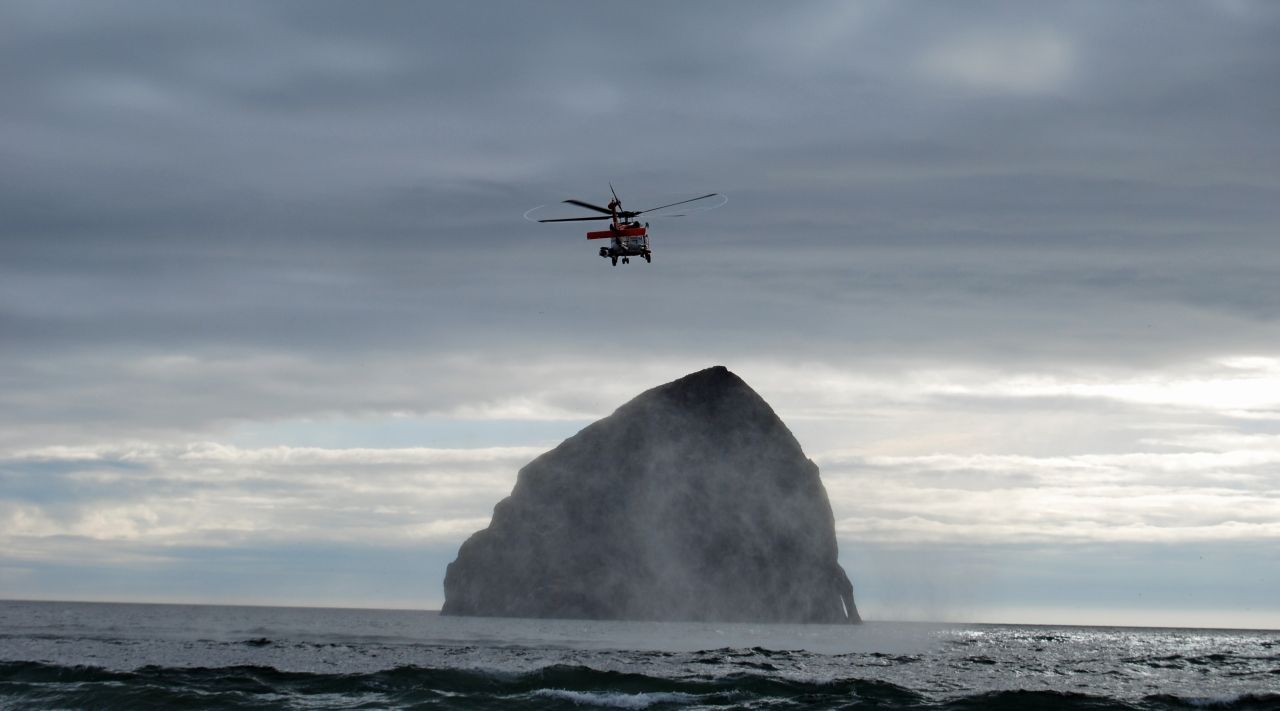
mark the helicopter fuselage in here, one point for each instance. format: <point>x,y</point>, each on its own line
<point>627,239</point>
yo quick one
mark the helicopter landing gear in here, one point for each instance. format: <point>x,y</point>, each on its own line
<point>615,261</point>
<point>626,260</point>
<point>648,257</point>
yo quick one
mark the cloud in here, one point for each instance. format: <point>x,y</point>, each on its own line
<point>254,258</point>
<point>1240,386</point>
<point>218,495</point>
<point>1133,497</point>
<point>1017,62</point>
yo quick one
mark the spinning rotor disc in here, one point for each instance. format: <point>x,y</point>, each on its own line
<point>575,210</point>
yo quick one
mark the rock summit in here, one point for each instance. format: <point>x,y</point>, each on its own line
<point>692,502</point>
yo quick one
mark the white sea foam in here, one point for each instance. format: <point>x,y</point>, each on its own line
<point>1219,701</point>
<point>618,700</point>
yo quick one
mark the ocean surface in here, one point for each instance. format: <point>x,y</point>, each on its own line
<point>101,656</point>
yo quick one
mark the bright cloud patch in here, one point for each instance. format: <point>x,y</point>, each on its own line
<point>919,456</point>
<point>1195,479</point>
<point>1236,386</point>
<point>210,494</point>
<point>1133,498</point>
<point>1021,63</point>
<point>1233,386</point>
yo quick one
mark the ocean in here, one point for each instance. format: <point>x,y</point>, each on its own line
<point>58,655</point>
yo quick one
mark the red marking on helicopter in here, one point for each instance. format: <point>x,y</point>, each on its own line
<point>622,232</point>
<point>629,237</point>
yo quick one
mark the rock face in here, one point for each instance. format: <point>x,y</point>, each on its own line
<point>691,502</point>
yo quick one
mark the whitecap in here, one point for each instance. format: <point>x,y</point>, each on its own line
<point>618,700</point>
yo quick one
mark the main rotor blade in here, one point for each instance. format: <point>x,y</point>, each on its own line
<point>615,194</point>
<point>589,206</point>
<point>703,197</point>
<point>574,219</point>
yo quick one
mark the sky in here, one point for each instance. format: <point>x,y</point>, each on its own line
<point>274,331</point>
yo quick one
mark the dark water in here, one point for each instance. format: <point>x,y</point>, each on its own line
<point>79,655</point>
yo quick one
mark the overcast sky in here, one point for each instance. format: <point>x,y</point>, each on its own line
<point>273,329</point>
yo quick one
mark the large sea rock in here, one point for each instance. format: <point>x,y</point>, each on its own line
<point>691,502</point>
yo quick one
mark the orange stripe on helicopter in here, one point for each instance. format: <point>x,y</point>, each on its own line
<point>623,232</point>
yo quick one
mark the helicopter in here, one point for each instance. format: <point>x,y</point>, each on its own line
<point>628,238</point>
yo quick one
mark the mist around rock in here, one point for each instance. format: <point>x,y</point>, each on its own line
<point>692,502</point>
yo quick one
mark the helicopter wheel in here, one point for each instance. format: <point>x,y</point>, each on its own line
<point>648,257</point>
<point>626,260</point>
<point>615,261</point>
